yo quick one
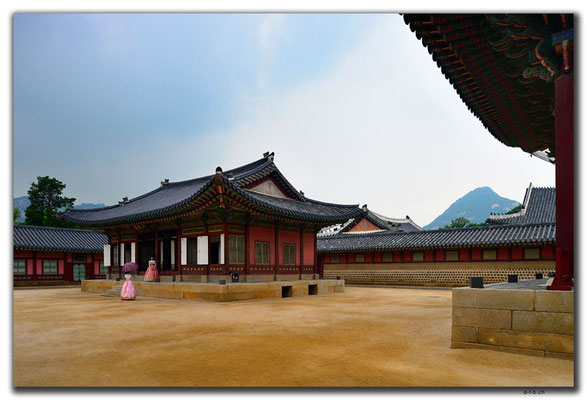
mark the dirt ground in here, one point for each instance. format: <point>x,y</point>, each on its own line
<point>363,337</point>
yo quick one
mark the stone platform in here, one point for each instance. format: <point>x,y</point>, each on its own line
<point>231,291</point>
<point>521,317</point>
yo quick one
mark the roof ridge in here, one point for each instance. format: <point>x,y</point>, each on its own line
<point>53,228</point>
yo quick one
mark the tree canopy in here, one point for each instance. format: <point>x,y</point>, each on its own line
<point>47,200</point>
<point>462,222</point>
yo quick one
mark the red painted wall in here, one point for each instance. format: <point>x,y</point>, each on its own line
<point>440,255</point>
<point>29,267</point>
<point>262,235</point>
<point>351,258</point>
<point>464,255</point>
<point>327,259</point>
<point>343,258</point>
<point>429,255</point>
<point>364,226</point>
<point>378,257</point>
<point>289,237</point>
<point>475,254</point>
<point>547,253</point>
<point>502,253</point>
<point>517,253</point>
<point>397,256</point>
<point>309,239</point>
<point>50,255</point>
<point>407,256</point>
<point>368,257</point>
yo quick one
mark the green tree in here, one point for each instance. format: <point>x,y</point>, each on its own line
<point>15,215</point>
<point>515,209</point>
<point>47,200</point>
<point>460,222</point>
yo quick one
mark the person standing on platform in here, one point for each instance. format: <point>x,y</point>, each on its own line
<point>152,274</point>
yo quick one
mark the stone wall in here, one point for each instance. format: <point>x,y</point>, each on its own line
<point>435,274</point>
<point>532,322</point>
<point>216,292</point>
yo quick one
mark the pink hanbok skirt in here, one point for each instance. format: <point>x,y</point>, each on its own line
<point>128,291</point>
<point>151,274</point>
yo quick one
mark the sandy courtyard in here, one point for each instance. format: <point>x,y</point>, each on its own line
<point>363,337</point>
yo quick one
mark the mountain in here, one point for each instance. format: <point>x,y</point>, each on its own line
<point>476,206</point>
<point>23,202</point>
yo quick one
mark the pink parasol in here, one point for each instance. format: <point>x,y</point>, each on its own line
<point>130,267</point>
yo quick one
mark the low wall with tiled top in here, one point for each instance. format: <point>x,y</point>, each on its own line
<point>435,274</point>
<point>531,322</point>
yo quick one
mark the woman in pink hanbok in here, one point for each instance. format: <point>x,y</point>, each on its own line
<point>128,289</point>
<point>152,272</point>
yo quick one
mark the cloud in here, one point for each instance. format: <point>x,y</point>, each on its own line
<point>383,128</point>
<point>268,34</point>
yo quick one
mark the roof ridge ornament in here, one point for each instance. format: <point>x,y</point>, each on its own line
<point>164,182</point>
<point>269,155</point>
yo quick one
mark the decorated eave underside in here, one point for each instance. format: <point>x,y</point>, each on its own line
<point>27,237</point>
<point>529,234</point>
<point>503,67</point>
<point>223,191</point>
<point>539,207</point>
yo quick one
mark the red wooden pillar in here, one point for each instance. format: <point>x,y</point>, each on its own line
<point>301,250</point>
<point>157,250</point>
<point>226,266</point>
<point>276,248</point>
<point>315,269</point>
<point>564,132</point>
<point>35,275</point>
<point>178,252</point>
<point>247,256</point>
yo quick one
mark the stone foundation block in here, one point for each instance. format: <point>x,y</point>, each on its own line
<point>478,346</point>
<point>555,301</point>
<point>464,334</point>
<point>482,317</point>
<point>527,340</point>
<point>545,322</point>
<point>493,298</point>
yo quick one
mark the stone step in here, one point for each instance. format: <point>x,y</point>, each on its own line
<point>114,291</point>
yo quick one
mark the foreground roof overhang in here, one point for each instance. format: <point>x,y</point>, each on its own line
<point>503,67</point>
<point>224,190</point>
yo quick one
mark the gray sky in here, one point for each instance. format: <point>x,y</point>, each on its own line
<point>353,106</point>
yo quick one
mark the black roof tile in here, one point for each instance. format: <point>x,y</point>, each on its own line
<point>27,237</point>
<point>173,195</point>
<point>441,238</point>
<point>539,207</point>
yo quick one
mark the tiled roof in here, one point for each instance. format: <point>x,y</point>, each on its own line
<point>380,221</point>
<point>28,237</point>
<point>539,207</point>
<point>441,238</point>
<point>175,196</point>
<point>503,67</point>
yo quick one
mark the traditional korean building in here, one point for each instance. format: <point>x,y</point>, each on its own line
<point>519,244</point>
<point>248,221</point>
<point>56,256</point>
